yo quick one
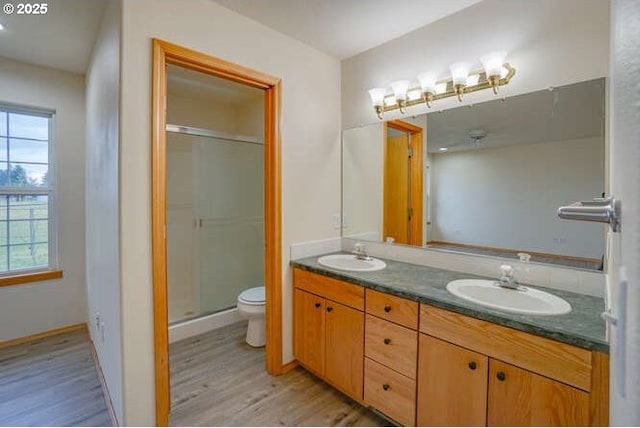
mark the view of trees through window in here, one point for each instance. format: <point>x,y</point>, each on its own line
<point>24,190</point>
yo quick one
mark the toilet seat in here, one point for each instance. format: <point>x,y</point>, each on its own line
<point>252,296</point>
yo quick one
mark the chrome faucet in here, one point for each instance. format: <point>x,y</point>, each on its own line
<point>360,252</point>
<point>507,279</point>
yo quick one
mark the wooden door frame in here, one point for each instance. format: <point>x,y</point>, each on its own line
<point>167,53</point>
<point>416,195</point>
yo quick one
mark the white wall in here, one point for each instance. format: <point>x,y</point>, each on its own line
<point>103,255</point>
<point>310,155</point>
<point>550,43</point>
<point>503,198</point>
<point>33,308</point>
<point>362,182</point>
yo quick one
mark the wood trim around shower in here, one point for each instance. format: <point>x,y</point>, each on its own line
<point>167,53</point>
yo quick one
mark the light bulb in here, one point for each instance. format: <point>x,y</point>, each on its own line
<point>377,96</point>
<point>492,63</point>
<point>399,88</point>
<point>459,73</point>
<point>427,82</point>
<point>400,92</point>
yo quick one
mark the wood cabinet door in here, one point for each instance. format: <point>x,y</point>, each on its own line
<point>309,330</point>
<point>344,348</point>
<point>518,397</point>
<point>452,384</point>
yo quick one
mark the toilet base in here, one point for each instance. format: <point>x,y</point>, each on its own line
<point>256,336</point>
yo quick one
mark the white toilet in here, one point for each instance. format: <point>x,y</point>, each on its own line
<point>251,304</point>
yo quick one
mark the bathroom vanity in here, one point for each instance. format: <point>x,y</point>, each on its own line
<point>398,342</point>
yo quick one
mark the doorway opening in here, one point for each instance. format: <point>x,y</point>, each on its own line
<point>169,55</point>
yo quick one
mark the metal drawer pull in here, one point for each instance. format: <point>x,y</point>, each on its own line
<point>387,309</point>
<point>317,305</point>
<point>385,386</point>
<point>472,365</point>
<point>387,341</point>
<point>329,309</point>
<point>501,376</point>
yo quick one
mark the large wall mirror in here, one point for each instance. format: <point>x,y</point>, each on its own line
<point>483,179</point>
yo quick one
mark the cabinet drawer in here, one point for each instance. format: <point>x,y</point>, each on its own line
<point>392,345</point>
<point>400,311</point>
<point>559,361</point>
<point>342,292</point>
<point>390,392</point>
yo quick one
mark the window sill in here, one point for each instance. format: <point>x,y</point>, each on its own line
<point>30,277</point>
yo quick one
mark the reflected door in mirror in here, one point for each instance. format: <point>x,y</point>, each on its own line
<point>402,201</point>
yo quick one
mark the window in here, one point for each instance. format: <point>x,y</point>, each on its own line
<point>26,191</point>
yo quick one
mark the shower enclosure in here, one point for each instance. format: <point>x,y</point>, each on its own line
<point>215,236</point>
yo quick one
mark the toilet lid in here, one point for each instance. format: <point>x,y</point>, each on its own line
<point>253,295</point>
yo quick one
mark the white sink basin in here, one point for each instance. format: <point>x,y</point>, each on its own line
<point>524,300</point>
<point>350,262</point>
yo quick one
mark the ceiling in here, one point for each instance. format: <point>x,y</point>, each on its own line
<point>61,39</point>
<point>344,28</point>
<point>565,113</point>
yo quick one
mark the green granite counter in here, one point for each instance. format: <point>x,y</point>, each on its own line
<point>581,327</point>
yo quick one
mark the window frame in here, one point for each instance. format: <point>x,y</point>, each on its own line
<point>51,270</point>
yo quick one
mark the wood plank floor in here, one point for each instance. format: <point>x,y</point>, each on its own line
<point>218,380</point>
<point>51,382</point>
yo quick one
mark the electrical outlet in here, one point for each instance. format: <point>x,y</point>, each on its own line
<point>97,321</point>
<point>337,221</point>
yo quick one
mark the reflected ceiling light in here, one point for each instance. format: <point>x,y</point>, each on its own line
<point>1,27</point>
<point>495,73</point>
<point>443,149</point>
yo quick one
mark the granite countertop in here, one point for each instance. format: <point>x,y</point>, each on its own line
<point>582,327</point>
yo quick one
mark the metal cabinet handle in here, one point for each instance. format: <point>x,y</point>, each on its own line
<point>501,376</point>
<point>387,309</point>
<point>387,341</point>
<point>329,309</point>
<point>472,365</point>
<point>385,386</point>
<point>317,305</point>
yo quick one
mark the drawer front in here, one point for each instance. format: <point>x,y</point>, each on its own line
<point>396,309</point>
<point>390,392</point>
<point>559,361</point>
<point>392,345</point>
<point>342,292</point>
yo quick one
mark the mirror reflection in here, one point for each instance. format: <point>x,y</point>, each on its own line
<point>483,179</point>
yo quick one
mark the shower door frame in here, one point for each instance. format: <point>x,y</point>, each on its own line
<point>168,53</point>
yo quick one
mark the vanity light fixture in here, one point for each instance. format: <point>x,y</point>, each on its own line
<point>495,73</point>
<point>377,99</point>
<point>400,88</point>
<point>459,76</point>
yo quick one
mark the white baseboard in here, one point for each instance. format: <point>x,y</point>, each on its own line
<point>201,325</point>
<point>103,385</point>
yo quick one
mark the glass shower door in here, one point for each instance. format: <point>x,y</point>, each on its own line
<point>229,223</point>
